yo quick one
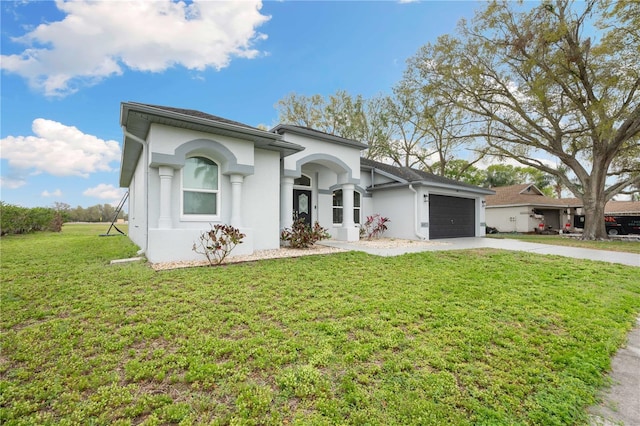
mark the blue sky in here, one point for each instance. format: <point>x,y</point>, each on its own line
<point>66,66</point>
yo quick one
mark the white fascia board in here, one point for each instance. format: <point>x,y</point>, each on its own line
<point>453,187</point>
<point>318,135</point>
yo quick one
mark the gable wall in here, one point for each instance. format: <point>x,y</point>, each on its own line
<point>348,155</point>
<point>165,140</point>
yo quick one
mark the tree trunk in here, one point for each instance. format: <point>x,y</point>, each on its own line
<point>594,225</point>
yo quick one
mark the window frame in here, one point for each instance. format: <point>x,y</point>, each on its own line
<point>186,217</point>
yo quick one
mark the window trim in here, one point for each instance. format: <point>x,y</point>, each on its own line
<point>201,217</point>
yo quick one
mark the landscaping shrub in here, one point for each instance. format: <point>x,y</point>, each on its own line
<point>217,243</point>
<point>21,220</point>
<point>301,235</point>
<point>374,226</point>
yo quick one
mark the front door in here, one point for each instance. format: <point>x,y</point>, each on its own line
<point>302,204</point>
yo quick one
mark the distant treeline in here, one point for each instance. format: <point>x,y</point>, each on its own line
<point>21,220</point>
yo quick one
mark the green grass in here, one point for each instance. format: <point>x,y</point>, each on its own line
<point>613,245</point>
<point>475,337</point>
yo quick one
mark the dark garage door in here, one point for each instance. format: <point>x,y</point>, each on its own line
<point>451,217</point>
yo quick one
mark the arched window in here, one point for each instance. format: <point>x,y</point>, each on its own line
<point>200,187</point>
<point>302,181</point>
<point>338,206</point>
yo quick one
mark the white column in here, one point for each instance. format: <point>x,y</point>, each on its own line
<point>286,202</point>
<point>166,177</point>
<point>347,205</point>
<point>236,200</point>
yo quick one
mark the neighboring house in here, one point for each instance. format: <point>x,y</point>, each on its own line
<point>186,170</point>
<point>523,208</point>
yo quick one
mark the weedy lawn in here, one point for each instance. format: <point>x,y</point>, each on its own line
<point>473,337</point>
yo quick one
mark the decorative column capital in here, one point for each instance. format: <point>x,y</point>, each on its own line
<point>236,178</point>
<point>166,171</point>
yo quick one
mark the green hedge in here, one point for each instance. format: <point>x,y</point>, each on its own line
<point>21,220</point>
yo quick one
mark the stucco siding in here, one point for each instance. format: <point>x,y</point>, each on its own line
<point>260,201</point>
<point>398,205</point>
<point>138,206</point>
<point>510,219</point>
<point>168,245</point>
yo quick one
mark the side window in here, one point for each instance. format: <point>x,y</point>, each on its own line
<point>200,188</point>
<point>338,206</point>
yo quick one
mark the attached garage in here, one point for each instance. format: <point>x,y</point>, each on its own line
<point>422,205</point>
<point>451,217</point>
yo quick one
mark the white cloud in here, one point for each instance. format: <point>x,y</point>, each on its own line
<point>56,193</point>
<point>105,192</point>
<point>59,150</point>
<point>96,39</point>
<point>11,183</point>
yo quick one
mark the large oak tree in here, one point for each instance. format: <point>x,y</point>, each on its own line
<point>559,79</point>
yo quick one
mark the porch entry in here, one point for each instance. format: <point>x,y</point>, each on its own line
<point>302,204</point>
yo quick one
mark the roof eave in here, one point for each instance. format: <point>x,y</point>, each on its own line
<point>281,128</point>
<point>240,130</point>
<point>131,151</point>
<point>438,185</point>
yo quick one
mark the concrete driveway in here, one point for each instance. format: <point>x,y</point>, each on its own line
<point>630,259</point>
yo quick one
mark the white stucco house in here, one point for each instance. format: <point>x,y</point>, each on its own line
<point>186,170</point>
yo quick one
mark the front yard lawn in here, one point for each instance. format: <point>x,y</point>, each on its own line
<point>612,245</point>
<point>472,337</point>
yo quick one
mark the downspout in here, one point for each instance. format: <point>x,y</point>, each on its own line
<point>415,212</point>
<point>145,151</point>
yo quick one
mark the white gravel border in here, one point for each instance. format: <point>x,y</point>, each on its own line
<point>378,243</point>
<point>257,255</point>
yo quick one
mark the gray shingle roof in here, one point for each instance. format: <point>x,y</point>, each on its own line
<point>281,128</point>
<point>414,175</point>
<point>198,114</point>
